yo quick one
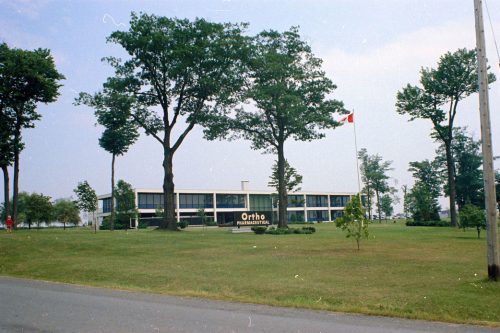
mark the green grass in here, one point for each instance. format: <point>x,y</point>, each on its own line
<point>411,272</point>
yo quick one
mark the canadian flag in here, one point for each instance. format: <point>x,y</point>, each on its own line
<point>349,118</point>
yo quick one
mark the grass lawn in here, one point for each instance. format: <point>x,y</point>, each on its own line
<point>412,272</point>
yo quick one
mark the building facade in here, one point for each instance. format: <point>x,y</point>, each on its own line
<point>222,206</point>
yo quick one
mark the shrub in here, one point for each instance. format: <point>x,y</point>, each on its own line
<point>119,225</point>
<point>259,230</point>
<point>182,224</point>
<point>142,224</point>
<point>311,229</point>
<point>440,223</point>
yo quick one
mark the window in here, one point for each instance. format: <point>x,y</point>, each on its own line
<point>317,215</point>
<point>106,205</point>
<point>150,200</point>
<point>317,201</point>
<point>295,216</point>
<point>195,201</point>
<point>295,201</point>
<point>339,200</point>
<point>336,214</point>
<point>260,202</point>
<point>230,201</point>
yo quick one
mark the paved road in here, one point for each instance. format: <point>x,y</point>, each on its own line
<point>34,306</point>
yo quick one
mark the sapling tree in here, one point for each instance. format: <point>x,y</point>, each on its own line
<point>86,200</point>
<point>472,216</point>
<point>354,222</point>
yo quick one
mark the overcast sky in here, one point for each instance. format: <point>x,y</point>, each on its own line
<point>370,48</point>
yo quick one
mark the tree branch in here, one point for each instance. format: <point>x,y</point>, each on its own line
<point>143,125</point>
<point>179,104</point>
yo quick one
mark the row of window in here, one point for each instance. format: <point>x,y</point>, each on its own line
<point>258,202</point>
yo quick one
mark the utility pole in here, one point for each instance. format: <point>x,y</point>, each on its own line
<point>488,170</point>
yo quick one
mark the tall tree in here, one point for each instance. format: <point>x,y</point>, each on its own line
<point>179,69</point>
<point>289,90</point>
<point>467,166</point>
<point>6,156</point>
<point>375,179</point>
<point>112,111</point>
<point>86,200</point>
<point>437,100</point>
<point>26,78</point>
<point>66,211</point>
<point>423,197</point>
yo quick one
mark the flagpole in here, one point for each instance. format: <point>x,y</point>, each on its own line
<point>356,152</point>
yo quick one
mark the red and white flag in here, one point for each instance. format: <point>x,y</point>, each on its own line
<point>349,118</point>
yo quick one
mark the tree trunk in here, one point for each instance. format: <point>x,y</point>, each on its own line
<point>64,225</point>
<point>451,184</point>
<point>369,202</point>
<point>378,206</point>
<point>15,193</point>
<point>169,222</point>
<point>282,193</point>
<point>6,188</point>
<point>112,218</point>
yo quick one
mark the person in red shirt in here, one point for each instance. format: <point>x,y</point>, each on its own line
<point>9,224</point>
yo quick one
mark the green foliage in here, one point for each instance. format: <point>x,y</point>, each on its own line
<point>472,217</point>
<point>142,224</point>
<point>119,224</point>
<point>354,222</point>
<point>66,211</point>
<point>86,197</point>
<point>292,178</point>
<point>36,207</point>
<point>289,89</point>
<point>259,230</point>
<point>112,111</point>
<point>202,215</point>
<point>26,78</point>
<point>182,224</point>
<point>468,168</point>
<point>421,223</point>
<point>376,181</point>
<point>423,197</point>
<point>386,205</point>
<point>178,69</point>
<point>437,99</point>
<point>125,203</point>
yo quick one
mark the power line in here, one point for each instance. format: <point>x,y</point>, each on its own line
<point>492,32</point>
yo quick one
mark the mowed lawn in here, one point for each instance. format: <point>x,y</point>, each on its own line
<point>412,272</point>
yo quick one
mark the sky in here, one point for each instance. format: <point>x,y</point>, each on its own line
<point>370,49</point>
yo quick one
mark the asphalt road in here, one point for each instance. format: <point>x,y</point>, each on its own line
<point>35,306</point>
